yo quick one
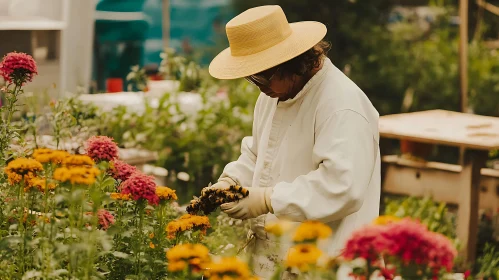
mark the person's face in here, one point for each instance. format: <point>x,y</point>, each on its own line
<point>272,82</point>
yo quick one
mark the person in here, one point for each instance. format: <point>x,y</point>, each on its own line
<point>314,150</point>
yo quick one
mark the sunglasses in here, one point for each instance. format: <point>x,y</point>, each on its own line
<point>260,79</point>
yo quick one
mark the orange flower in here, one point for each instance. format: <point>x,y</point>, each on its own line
<point>187,222</point>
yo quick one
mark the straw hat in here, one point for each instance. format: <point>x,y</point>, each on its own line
<point>261,38</point>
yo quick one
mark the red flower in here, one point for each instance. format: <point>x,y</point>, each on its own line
<point>141,186</point>
<point>121,170</point>
<point>18,68</point>
<point>106,219</point>
<point>102,148</point>
<point>408,241</point>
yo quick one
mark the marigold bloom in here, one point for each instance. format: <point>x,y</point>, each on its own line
<point>187,222</point>
<point>303,256</point>
<point>141,186</point>
<point>102,148</point>
<point>40,184</point>
<point>84,175</point>
<point>121,171</point>
<point>78,160</point>
<point>48,155</point>
<point>21,168</point>
<point>120,196</point>
<point>310,231</point>
<point>228,268</point>
<point>184,255</point>
<point>278,228</point>
<point>386,219</point>
<point>165,193</point>
<point>18,68</point>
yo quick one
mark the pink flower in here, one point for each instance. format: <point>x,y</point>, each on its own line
<point>18,68</point>
<point>410,242</point>
<point>121,170</point>
<point>141,186</point>
<point>106,219</point>
<point>102,148</point>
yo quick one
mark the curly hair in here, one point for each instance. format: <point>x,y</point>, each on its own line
<point>307,61</point>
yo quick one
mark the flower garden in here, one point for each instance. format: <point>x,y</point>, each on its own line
<point>80,212</point>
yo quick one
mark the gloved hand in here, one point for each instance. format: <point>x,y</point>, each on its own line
<point>222,184</point>
<point>255,204</point>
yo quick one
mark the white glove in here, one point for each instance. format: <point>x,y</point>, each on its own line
<point>255,204</point>
<point>222,184</point>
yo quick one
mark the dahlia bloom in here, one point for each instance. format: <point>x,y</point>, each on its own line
<point>102,148</point>
<point>141,186</point>
<point>106,219</point>
<point>121,170</point>
<point>18,68</point>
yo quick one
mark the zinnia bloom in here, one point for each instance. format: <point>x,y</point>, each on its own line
<point>21,168</point>
<point>187,255</point>
<point>303,256</point>
<point>102,148</point>
<point>18,68</point>
<point>121,170</point>
<point>228,267</point>
<point>310,231</point>
<point>165,193</point>
<point>141,186</point>
<point>106,219</point>
<point>40,184</point>
<point>187,222</point>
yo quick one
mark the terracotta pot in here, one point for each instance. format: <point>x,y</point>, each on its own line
<point>420,150</point>
<point>114,85</point>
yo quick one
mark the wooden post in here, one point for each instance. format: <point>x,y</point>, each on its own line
<point>463,62</point>
<point>463,53</point>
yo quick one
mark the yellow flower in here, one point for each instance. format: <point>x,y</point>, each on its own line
<point>386,219</point>
<point>278,228</point>
<point>151,235</point>
<point>303,256</point>
<point>228,268</point>
<point>311,231</point>
<point>40,184</point>
<point>48,155</point>
<point>78,160</point>
<point>84,175</point>
<point>21,168</point>
<point>165,193</point>
<point>180,256</point>
<point>151,245</point>
<point>120,196</point>
<point>187,222</point>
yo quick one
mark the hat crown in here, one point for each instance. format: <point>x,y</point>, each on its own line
<point>257,29</point>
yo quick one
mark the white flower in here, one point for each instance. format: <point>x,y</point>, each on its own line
<point>359,262</point>
<point>182,176</point>
<point>141,137</point>
<point>160,171</point>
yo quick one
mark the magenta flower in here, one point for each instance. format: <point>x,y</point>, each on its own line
<point>141,186</point>
<point>102,148</point>
<point>106,219</point>
<point>121,170</point>
<point>18,68</point>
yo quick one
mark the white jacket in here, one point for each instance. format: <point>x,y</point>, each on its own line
<point>320,152</point>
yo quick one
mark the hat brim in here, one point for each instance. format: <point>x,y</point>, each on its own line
<point>304,36</point>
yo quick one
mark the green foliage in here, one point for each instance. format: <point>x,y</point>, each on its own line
<point>488,263</point>
<point>431,213</point>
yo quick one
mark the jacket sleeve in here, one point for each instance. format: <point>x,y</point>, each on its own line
<point>241,170</point>
<point>346,149</point>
